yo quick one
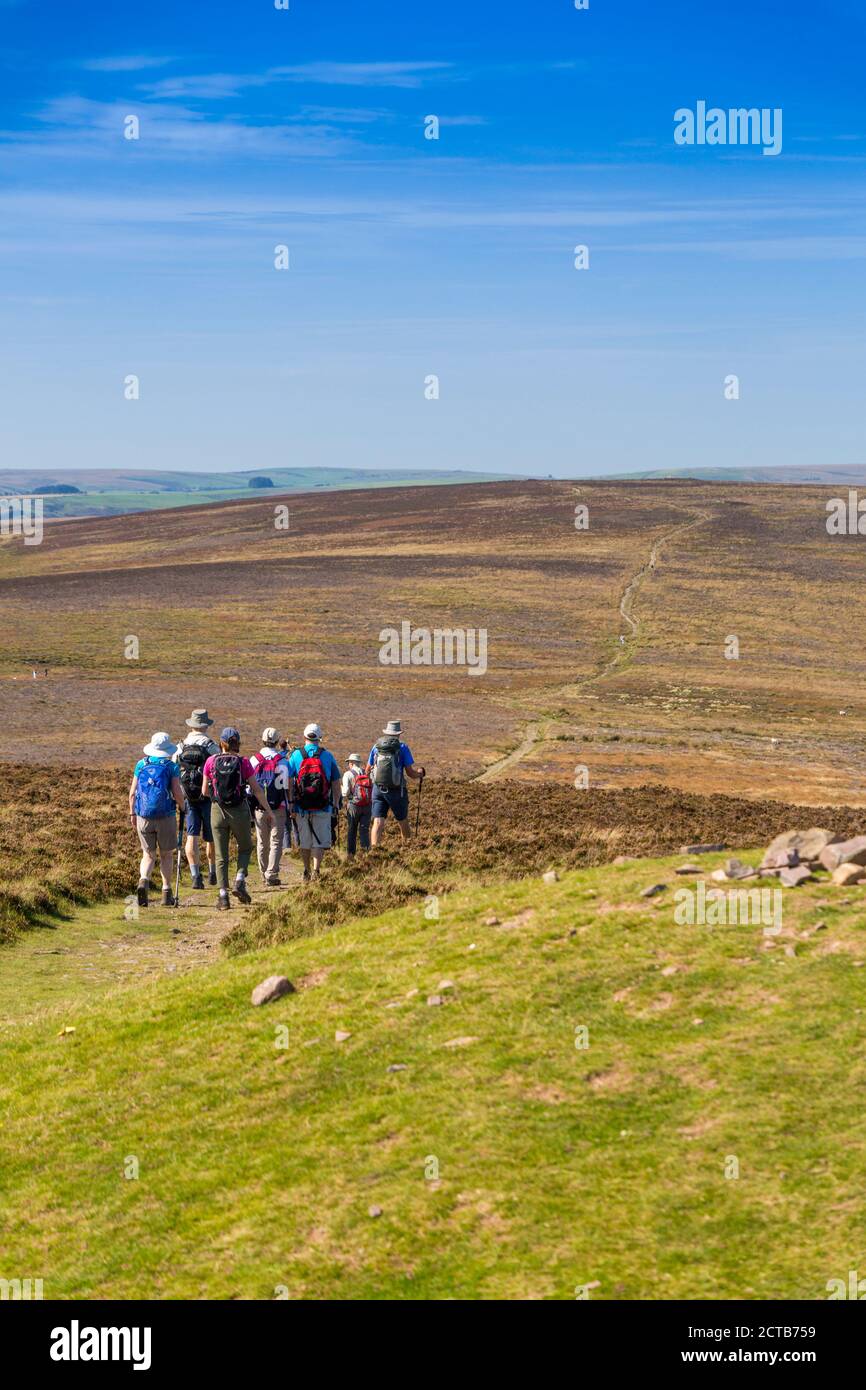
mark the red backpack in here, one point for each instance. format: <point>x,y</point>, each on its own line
<point>313,790</point>
<point>362,792</point>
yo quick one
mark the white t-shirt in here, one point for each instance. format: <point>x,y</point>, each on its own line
<point>198,741</point>
<point>348,782</point>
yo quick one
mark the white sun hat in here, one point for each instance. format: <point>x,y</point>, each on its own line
<point>160,746</point>
<point>312,731</point>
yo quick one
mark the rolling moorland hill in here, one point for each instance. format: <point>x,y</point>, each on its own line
<point>538,1094</point>
<point>115,492</point>
<point>608,647</point>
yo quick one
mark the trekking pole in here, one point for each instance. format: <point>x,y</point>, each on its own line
<point>418,811</point>
<point>179,852</point>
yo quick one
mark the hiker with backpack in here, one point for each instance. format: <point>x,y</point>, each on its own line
<point>154,793</point>
<point>389,764</point>
<point>316,797</point>
<point>227,779</point>
<point>358,800</point>
<point>272,774</point>
<point>290,834</point>
<point>193,752</point>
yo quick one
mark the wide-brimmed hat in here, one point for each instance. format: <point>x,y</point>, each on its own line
<point>354,758</point>
<point>199,719</point>
<point>312,731</point>
<point>394,727</point>
<point>160,746</point>
<point>270,737</point>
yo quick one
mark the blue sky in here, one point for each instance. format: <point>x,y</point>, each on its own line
<point>412,257</point>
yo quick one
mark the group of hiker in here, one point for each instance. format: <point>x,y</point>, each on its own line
<point>210,793</point>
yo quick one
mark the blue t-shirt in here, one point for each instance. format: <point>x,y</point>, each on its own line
<point>311,750</point>
<point>404,757</point>
<point>142,762</point>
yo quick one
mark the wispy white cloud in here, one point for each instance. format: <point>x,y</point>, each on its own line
<point>82,127</point>
<point>216,86</point>
<point>364,74</point>
<point>133,62</point>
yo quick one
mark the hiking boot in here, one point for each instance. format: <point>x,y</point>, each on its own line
<point>223,903</point>
<point>167,898</point>
<point>274,881</point>
<point>142,893</point>
<point>306,875</point>
<point>211,878</point>
<point>240,891</point>
<point>197,881</point>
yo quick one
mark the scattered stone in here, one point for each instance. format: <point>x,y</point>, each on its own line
<point>790,950</point>
<point>411,994</point>
<point>671,970</point>
<point>848,873</point>
<point>688,869</point>
<point>397,1066</point>
<point>719,875</point>
<point>274,987</point>
<point>844,852</point>
<point>653,889</point>
<point>735,868</point>
<point>522,919</point>
<point>64,1032</point>
<point>702,849</point>
<point>491,921</point>
<point>820,926</point>
<point>460,1042</point>
<point>340,1036</point>
<point>445,984</point>
<point>697,1022</point>
<point>374,1211</point>
<point>804,845</point>
<point>311,1042</point>
<point>624,859</point>
<point>550,877</point>
<point>792,878</point>
<point>435,999</point>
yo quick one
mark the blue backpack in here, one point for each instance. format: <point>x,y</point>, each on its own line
<point>153,796</point>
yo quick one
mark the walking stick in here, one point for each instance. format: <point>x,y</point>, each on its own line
<point>418,812</point>
<point>179,852</point>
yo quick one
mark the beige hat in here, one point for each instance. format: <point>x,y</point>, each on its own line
<point>312,731</point>
<point>354,758</point>
<point>270,737</point>
<point>394,728</point>
<point>199,719</point>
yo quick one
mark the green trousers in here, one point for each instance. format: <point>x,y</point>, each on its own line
<point>226,821</point>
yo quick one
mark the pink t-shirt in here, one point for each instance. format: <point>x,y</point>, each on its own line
<point>247,770</point>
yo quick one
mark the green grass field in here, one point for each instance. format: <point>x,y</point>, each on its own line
<point>506,1161</point>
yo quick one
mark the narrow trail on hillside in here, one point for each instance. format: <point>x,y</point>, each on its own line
<point>536,731</point>
<point>98,947</point>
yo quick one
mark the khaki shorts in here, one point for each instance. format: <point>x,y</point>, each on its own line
<point>157,832</point>
<point>318,821</point>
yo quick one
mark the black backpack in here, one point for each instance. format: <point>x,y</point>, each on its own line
<point>227,779</point>
<point>191,762</point>
<point>387,772</point>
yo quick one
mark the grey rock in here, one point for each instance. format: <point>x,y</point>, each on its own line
<point>274,987</point>
<point>653,889</point>
<point>844,852</point>
<point>792,878</point>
